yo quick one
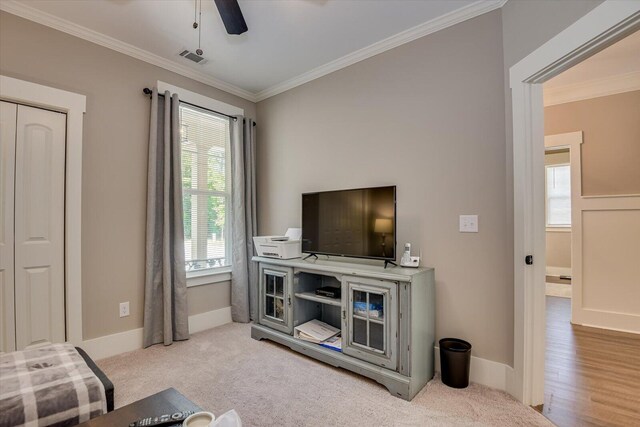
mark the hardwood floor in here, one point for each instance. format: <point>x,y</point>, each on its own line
<point>592,376</point>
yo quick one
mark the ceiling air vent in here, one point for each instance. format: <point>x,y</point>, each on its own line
<point>192,56</point>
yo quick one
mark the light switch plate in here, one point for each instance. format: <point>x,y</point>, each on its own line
<point>468,223</point>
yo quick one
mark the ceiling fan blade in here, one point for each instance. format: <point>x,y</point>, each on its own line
<point>231,16</point>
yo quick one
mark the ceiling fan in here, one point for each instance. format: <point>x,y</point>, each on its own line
<point>231,16</point>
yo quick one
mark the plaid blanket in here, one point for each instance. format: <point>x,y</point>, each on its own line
<point>48,386</point>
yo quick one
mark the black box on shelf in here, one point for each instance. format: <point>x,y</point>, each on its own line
<point>329,291</point>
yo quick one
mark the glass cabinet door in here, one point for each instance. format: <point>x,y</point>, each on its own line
<point>371,321</point>
<point>275,298</point>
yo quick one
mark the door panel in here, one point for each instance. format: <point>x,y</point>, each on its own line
<point>39,226</point>
<point>8,113</point>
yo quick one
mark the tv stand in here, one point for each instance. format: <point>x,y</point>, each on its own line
<point>309,256</point>
<point>387,262</point>
<point>386,316</point>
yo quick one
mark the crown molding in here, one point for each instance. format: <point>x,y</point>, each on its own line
<point>592,89</point>
<point>24,11</point>
<point>440,23</point>
<point>471,11</point>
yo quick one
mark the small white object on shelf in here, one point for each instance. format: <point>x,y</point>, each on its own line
<point>315,331</point>
<point>407,260</point>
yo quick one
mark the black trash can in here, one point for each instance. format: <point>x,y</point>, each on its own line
<point>455,360</point>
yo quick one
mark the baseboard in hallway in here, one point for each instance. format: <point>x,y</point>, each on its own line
<point>561,290</point>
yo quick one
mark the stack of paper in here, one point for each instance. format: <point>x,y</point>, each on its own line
<point>315,331</point>
<point>333,343</point>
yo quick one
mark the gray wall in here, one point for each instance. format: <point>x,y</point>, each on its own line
<point>428,117</point>
<point>116,128</point>
<point>527,25</point>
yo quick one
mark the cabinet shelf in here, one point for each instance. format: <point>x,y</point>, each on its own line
<point>374,315</point>
<point>318,298</point>
<point>379,320</point>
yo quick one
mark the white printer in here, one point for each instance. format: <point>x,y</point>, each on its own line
<point>282,247</point>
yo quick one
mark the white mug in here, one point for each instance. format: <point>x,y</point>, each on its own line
<point>199,419</point>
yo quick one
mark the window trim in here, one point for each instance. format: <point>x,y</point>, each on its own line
<point>200,100</point>
<point>554,227</point>
<point>209,275</point>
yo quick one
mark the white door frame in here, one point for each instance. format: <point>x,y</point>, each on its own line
<point>74,105</point>
<point>603,26</point>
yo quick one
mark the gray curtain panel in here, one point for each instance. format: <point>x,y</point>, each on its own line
<point>165,294</point>
<point>244,274</point>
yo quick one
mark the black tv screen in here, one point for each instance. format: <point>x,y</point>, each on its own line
<point>358,223</point>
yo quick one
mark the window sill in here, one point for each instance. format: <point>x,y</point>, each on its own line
<point>208,277</point>
<point>558,229</point>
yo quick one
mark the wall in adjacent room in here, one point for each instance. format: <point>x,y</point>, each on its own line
<point>610,153</point>
<point>116,132</point>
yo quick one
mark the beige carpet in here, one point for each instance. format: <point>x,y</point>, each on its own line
<point>269,385</point>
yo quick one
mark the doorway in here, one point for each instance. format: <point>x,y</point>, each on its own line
<point>591,371</point>
<point>598,29</point>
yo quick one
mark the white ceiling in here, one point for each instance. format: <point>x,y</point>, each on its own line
<point>618,59</point>
<point>286,38</point>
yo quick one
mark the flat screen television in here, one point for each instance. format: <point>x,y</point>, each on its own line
<point>359,223</point>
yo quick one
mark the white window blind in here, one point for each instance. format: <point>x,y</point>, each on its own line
<point>206,186</point>
<point>558,196</point>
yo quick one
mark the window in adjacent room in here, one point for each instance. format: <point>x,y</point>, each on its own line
<point>206,186</point>
<point>558,178</point>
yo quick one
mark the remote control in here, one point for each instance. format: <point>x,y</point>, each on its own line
<point>164,419</point>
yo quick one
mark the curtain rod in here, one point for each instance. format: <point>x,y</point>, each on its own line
<point>148,91</point>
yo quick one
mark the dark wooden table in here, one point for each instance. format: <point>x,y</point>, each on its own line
<point>168,401</point>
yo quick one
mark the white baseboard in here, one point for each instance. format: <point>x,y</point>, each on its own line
<point>122,342</point>
<point>483,371</point>
<point>558,271</point>
<point>209,319</point>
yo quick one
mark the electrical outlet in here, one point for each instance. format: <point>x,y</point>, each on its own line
<point>468,223</point>
<point>124,309</point>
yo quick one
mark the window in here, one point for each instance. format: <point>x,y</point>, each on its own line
<point>206,186</point>
<point>558,196</point>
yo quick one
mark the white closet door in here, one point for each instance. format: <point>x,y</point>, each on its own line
<point>8,113</point>
<point>39,227</point>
